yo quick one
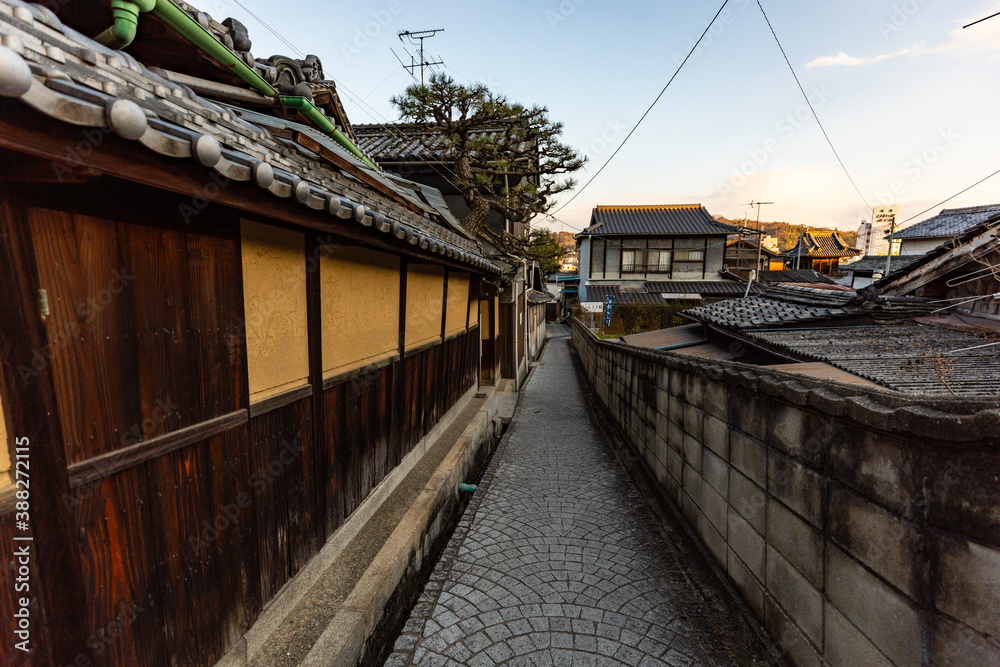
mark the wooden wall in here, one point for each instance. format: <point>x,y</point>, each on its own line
<point>191,505</point>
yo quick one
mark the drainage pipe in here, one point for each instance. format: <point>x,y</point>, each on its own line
<point>126,22</point>
<point>197,35</point>
<point>322,123</point>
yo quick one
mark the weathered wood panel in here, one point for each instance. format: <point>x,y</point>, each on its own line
<point>120,570</point>
<point>80,269</point>
<point>271,436</point>
<point>234,525</point>
<point>180,488</point>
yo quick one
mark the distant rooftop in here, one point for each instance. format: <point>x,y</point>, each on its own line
<point>408,142</point>
<point>822,244</point>
<point>906,357</point>
<point>652,220</point>
<point>949,222</point>
<point>870,263</point>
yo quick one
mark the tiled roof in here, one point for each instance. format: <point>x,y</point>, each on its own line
<point>793,276</point>
<point>407,142</point>
<point>537,297</point>
<point>674,337</point>
<point>66,76</point>
<point>673,220</point>
<point>906,357</point>
<point>602,292</point>
<point>652,292</point>
<point>870,263</point>
<point>780,305</point>
<point>710,287</point>
<point>817,244</point>
<point>949,222</point>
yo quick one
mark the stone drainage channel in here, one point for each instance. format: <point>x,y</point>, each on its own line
<point>558,561</point>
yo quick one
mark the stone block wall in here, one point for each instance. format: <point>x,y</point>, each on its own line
<point>861,526</point>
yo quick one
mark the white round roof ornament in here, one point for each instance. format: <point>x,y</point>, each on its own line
<point>127,119</point>
<point>15,77</point>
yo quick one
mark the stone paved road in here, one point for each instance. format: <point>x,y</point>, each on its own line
<point>556,561</point>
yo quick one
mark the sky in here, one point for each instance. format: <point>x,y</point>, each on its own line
<point>908,98</point>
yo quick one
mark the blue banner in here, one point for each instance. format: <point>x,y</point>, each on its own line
<point>609,305</point>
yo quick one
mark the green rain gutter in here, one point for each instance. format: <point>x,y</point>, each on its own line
<point>196,34</point>
<point>322,123</point>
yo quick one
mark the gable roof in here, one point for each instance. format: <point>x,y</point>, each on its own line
<point>59,73</point>
<point>822,244</point>
<point>780,305</point>
<point>976,241</point>
<point>658,220</point>
<point>949,222</point>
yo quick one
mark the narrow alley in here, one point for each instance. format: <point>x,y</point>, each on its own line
<point>557,561</point>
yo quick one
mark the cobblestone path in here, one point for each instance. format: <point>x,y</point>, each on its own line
<point>556,561</point>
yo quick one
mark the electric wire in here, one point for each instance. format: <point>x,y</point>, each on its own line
<point>813,110</point>
<point>945,201</point>
<point>636,126</point>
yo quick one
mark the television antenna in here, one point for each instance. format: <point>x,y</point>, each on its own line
<point>420,35</point>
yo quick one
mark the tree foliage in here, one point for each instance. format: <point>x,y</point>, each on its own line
<point>542,246</point>
<point>505,157</point>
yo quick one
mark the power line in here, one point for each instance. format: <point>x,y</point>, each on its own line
<point>624,141</point>
<point>945,201</point>
<point>269,28</point>
<point>808,102</point>
<point>981,20</point>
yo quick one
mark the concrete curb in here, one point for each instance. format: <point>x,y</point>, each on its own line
<point>408,549</point>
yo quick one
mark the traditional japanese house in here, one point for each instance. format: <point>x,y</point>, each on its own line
<point>654,255</point>
<point>222,327</point>
<point>820,251</point>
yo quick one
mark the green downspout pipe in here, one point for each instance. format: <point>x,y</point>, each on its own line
<point>198,36</point>
<point>126,16</point>
<point>188,28</point>
<point>322,123</point>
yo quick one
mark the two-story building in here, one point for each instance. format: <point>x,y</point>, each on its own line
<point>654,254</point>
<point>925,236</point>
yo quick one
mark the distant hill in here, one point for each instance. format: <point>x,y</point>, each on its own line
<point>787,233</point>
<point>566,240</point>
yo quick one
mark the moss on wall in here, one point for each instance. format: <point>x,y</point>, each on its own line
<point>274,295</point>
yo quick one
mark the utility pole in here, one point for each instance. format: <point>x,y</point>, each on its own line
<point>760,236</point>
<point>419,35</point>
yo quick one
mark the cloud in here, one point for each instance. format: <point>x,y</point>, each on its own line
<point>844,60</point>
<point>978,41</point>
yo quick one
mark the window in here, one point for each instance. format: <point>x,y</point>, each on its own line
<point>646,261</point>
<point>689,256</point>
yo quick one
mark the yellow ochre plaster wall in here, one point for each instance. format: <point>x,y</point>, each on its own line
<point>424,303</point>
<point>274,296</point>
<point>458,302</point>
<point>360,295</point>
<point>484,320</point>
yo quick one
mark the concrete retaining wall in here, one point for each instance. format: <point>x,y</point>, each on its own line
<point>862,527</point>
